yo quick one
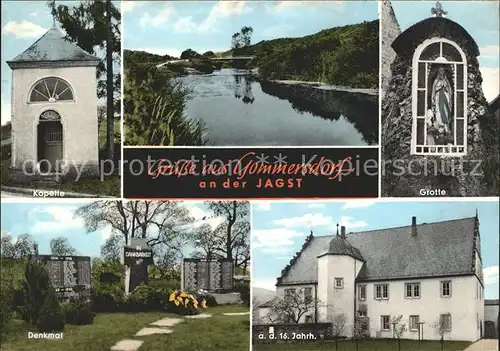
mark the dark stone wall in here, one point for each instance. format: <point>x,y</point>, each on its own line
<point>475,174</point>
<point>390,31</point>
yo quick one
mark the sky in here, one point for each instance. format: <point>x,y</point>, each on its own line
<point>23,23</point>
<point>46,221</point>
<point>170,28</point>
<point>280,228</point>
<point>479,18</point>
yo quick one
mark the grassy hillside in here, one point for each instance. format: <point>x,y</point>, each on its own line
<point>144,57</point>
<point>347,55</point>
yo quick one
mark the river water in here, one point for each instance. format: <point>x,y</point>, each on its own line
<point>238,112</point>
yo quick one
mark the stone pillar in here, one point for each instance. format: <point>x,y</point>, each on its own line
<point>136,257</point>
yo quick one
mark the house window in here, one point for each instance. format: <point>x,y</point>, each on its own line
<point>446,288</point>
<point>445,321</point>
<point>385,322</point>
<point>51,89</point>
<point>362,313</point>
<point>414,320</point>
<point>381,292</point>
<point>412,291</point>
<point>289,292</point>
<point>307,295</point>
<point>362,292</point>
<point>439,99</point>
<point>339,283</point>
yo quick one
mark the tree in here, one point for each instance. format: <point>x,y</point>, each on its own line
<point>204,241</point>
<point>36,286</point>
<point>241,39</point>
<point>358,331</point>
<point>291,307</point>
<point>440,327</point>
<point>51,317</point>
<point>167,262</point>
<point>398,329</point>
<point>232,235</point>
<point>209,54</point>
<point>21,247</point>
<point>61,247</point>
<point>112,248</point>
<point>95,27</point>
<point>160,222</point>
<point>337,327</point>
<point>189,54</point>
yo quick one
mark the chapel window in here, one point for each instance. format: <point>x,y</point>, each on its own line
<point>439,99</point>
<point>51,89</point>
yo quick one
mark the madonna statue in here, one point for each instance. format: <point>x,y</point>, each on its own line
<point>442,101</point>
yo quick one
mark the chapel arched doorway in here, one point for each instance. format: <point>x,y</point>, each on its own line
<point>50,142</point>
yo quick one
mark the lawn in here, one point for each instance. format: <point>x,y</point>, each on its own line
<point>366,345</point>
<point>103,131</point>
<point>216,333</point>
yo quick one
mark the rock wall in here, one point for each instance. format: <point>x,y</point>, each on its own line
<point>390,31</point>
<point>475,174</point>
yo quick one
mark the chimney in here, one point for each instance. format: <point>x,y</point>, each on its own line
<point>413,226</point>
<point>342,232</point>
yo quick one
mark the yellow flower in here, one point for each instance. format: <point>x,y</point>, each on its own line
<point>179,299</point>
<point>184,294</point>
<point>195,303</point>
<point>186,302</point>
<point>176,303</point>
<point>172,296</point>
<point>203,303</point>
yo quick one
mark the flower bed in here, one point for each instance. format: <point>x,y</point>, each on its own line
<point>184,303</point>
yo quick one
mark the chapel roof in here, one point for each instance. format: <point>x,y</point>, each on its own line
<point>53,47</point>
<point>431,27</point>
<point>438,249</point>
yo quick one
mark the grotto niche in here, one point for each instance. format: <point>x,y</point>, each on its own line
<point>437,134</point>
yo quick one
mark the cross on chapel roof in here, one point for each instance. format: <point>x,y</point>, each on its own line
<point>438,11</point>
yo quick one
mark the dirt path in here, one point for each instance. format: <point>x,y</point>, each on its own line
<point>484,345</point>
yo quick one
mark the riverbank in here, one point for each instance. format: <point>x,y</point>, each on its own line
<point>323,86</point>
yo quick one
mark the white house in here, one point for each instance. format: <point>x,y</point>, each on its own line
<point>54,108</point>
<point>429,273</point>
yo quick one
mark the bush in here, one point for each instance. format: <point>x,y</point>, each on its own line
<point>78,311</point>
<point>167,285</point>
<point>36,287</point>
<point>184,303</point>
<point>147,298</point>
<point>6,310</point>
<point>107,298</point>
<point>51,317</point>
<point>244,289</point>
